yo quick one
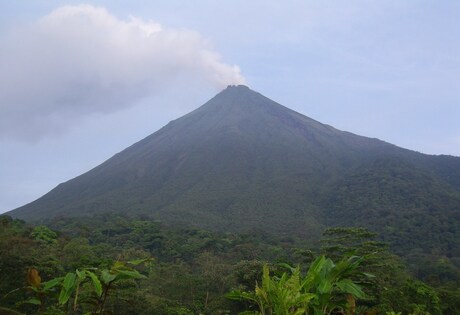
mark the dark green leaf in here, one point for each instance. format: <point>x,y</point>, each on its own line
<point>107,277</point>
<point>349,286</point>
<point>67,288</point>
<point>51,283</point>
<point>96,283</point>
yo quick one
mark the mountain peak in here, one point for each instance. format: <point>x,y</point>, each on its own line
<point>237,87</point>
<point>238,91</point>
<point>241,97</point>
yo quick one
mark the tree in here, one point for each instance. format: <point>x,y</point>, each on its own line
<point>44,234</point>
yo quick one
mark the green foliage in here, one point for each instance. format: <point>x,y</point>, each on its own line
<point>420,298</point>
<point>410,207</point>
<point>277,295</point>
<point>450,300</point>
<point>193,270</point>
<point>325,288</point>
<point>19,253</point>
<point>44,234</point>
<point>78,253</point>
<point>94,297</point>
<point>340,241</point>
<point>248,272</point>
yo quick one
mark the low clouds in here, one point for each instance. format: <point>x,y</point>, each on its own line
<point>80,60</point>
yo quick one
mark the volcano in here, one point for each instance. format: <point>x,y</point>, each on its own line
<point>242,162</point>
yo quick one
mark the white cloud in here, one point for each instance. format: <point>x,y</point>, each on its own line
<point>80,60</point>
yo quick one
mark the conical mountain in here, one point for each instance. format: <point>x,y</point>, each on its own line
<point>243,162</point>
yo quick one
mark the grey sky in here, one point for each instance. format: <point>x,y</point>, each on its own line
<point>82,83</point>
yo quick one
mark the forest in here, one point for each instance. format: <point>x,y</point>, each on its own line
<point>113,264</point>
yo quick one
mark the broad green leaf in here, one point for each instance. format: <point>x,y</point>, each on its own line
<point>52,283</point>
<point>313,272</point>
<point>325,286</point>
<point>129,274</point>
<point>287,266</point>
<point>107,277</point>
<point>118,264</point>
<point>349,286</point>
<point>68,286</point>
<point>81,274</point>
<point>64,296</point>
<point>69,281</point>
<point>96,283</point>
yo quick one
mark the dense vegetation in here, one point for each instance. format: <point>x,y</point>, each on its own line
<point>113,264</point>
<point>416,214</point>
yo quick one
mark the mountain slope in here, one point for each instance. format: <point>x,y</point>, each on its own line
<point>243,162</point>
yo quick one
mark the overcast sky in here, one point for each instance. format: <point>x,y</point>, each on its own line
<point>81,81</point>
